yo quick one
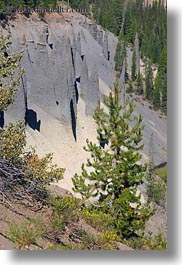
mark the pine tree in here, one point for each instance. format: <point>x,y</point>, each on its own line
<point>162,76</point>
<point>139,84</point>
<point>149,81</point>
<point>120,55</point>
<point>156,93</point>
<point>116,171</point>
<point>150,177</point>
<point>130,87</point>
<point>10,74</point>
<point>133,67</point>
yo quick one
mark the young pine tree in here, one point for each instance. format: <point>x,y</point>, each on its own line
<point>10,74</point>
<point>139,84</point>
<point>116,172</point>
<point>133,67</point>
<point>149,81</point>
<point>150,177</point>
<point>156,93</point>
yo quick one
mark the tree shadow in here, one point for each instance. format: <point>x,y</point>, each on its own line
<point>73,120</point>
<point>31,120</point>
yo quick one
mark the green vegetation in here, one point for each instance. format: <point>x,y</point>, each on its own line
<point>25,233</point>
<point>64,210</point>
<point>156,180</point>
<point>126,18</point>
<point>162,173</point>
<point>6,5</point>
<point>10,74</point>
<point>116,171</point>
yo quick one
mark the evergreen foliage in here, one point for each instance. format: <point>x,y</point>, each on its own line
<point>133,67</point>
<point>148,81</point>
<point>116,171</point>
<point>7,5</point>
<point>139,84</point>
<point>161,79</point>
<point>10,74</point>
<point>120,55</point>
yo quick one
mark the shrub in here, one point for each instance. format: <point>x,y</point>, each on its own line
<point>97,219</point>
<point>26,233</point>
<point>64,209</point>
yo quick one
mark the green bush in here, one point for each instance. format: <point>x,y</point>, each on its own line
<point>64,210</point>
<point>26,233</point>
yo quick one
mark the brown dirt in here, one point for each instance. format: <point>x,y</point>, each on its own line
<point>17,212</point>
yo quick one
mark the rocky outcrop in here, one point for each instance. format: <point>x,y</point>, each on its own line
<point>84,79</point>
<point>93,94</point>
<point>105,46</point>
<point>93,30</point>
<point>55,68</point>
<point>100,36</point>
<point>78,44</point>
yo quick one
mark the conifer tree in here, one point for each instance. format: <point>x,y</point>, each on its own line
<point>10,74</point>
<point>133,67</point>
<point>150,177</point>
<point>149,81</point>
<point>156,93</point>
<point>115,172</point>
<point>139,83</point>
<point>120,55</point>
<point>162,79</point>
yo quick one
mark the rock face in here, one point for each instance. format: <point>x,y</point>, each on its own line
<point>93,94</point>
<point>69,66</point>
<point>105,46</point>
<point>57,73</point>
<point>100,36</point>
<point>84,79</point>
<point>93,30</point>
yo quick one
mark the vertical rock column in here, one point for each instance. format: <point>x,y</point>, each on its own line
<point>78,60</point>
<point>84,79</point>
<point>93,30</point>
<point>78,44</point>
<point>100,37</point>
<point>93,94</point>
<point>73,52</point>
<point>105,46</point>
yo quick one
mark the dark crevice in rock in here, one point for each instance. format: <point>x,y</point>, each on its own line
<point>29,58</point>
<point>73,120</point>
<point>23,80</point>
<point>51,45</point>
<point>1,119</point>
<point>73,58</point>
<point>109,55</point>
<point>76,92</point>
<point>78,79</point>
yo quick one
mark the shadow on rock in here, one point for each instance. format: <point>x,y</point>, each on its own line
<point>31,120</point>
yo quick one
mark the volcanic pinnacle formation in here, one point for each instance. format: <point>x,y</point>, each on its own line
<point>93,94</point>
